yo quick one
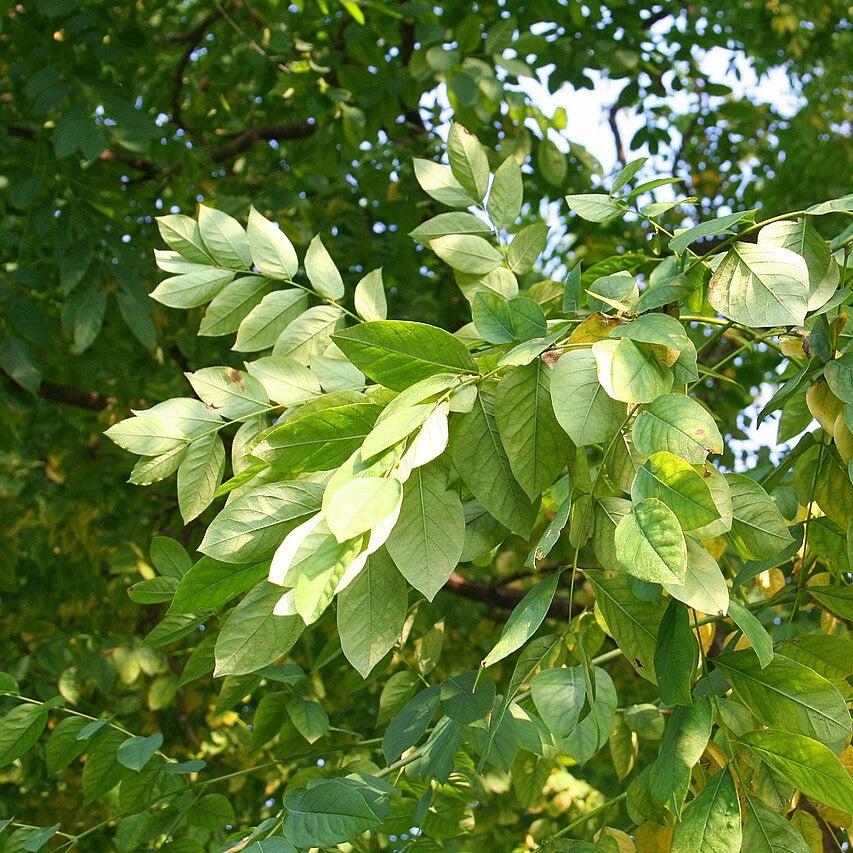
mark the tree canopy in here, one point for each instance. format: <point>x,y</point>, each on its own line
<point>442,532</point>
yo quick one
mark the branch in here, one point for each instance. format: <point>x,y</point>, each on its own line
<point>90,400</point>
<point>247,138</point>
<point>617,135</point>
<point>501,597</point>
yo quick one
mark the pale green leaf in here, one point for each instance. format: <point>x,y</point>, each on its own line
<point>467,253</point>
<point>271,250</point>
<point>582,407</point>
<point>760,286</point>
<point>675,482</point>
<point>468,161</point>
<point>371,613</point>
<point>321,270</point>
<point>224,238</point>
<point>680,425</point>
<point>525,620</point>
<point>426,542</point>
<point>650,543</point>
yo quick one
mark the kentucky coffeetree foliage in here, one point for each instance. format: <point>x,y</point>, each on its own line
<point>679,611</point>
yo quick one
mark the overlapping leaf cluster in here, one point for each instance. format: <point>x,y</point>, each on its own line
<point>372,460</point>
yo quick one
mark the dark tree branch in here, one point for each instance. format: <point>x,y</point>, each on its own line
<point>247,138</point>
<point>617,135</point>
<point>90,400</point>
<point>503,598</point>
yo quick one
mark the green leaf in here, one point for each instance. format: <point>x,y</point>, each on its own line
<point>19,363</point>
<point>63,745</point>
<point>152,590</point>
<point>261,327</point>
<point>310,333</point>
<point>551,534</point>
<point>309,718</point>
<point>209,584</point>
<point>481,460</point>
<point>550,160</point>
<point>802,237</point>
<point>631,622</point>
<point>231,393</point>
<point>319,441</point>
<point>199,475</point>
<point>593,730</point>
<point>501,321</point>
<point>680,425</point>
<point>526,246</point>
<point>313,564</point>
<point>807,764</point>
<point>657,329</point>
<point>410,723</point>
<point>283,380</point>
<point>711,821</point>
<point>765,831</point>
<point>712,228</point>
<point>677,656</point>
<point>838,599</point>
<point>211,811</point>
<point>559,695</point>
<point>371,613</point>
<point>19,731</point>
<point>170,557</point>
<point>468,161</point>
<point>438,182</point>
<point>426,542</point>
<point>754,631</point>
<point>398,353</point>
<point>102,771</point>
<point>136,752</point>
<point>467,253</point>
<point>760,286</point>
<point>836,205</point>
<point>252,637</point>
<point>704,588</point>
<point>361,504</point>
<point>595,207</point>
<point>450,223</point>
<point>165,427</point>
<point>758,529</point>
<point>630,374</point>
<point>626,173</point>
<point>506,195</point>
<point>529,432</point>
<point>251,526</point>
<point>788,694</point>
<point>182,234</point>
<point>685,737</point>
<point>675,482</point>
<point>321,270</point>
<point>271,251</point>
<point>224,238</point>
<point>623,748</point>
<point>582,407</point>
<point>232,304</point>
<point>467,698</point>
<point>650,543</point>
<point>193,288</point>
<point>332,811</point>
<point>369,297</point>
<point>613,291</point>
<point>524,620</point>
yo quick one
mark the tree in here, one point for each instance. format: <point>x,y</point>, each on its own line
<point>478,442</point>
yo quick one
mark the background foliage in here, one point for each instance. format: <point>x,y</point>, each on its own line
<point>116,114</point>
